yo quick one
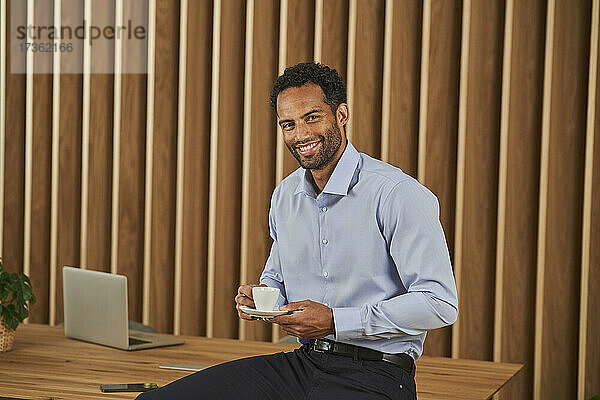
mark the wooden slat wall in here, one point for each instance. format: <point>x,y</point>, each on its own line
<point>518,258</point>
<point>195,202</point>
<point>164,166</point>
<point>335,35</point>
<point>41,163</point>
<point>559,306</point>
<point>405,78</point>
<point>14,146</point>
<point>591,352</point>
<point>131,179</point>
<point>69,191</point>
<point>589,349</point>
<point>481,146</point>
<point>369,67</point>
<point>486,103</point>
<point>439,124</point>
<point>228,184</point>
<point>100,145</point>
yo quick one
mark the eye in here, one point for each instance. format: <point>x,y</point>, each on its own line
<point>312,117</point>
<point>287,126</point>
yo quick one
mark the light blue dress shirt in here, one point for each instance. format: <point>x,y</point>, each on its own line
<point>370,246</point>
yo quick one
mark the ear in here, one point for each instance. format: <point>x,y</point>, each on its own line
<point>342,114</point>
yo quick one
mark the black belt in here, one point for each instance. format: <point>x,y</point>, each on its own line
<point>402,360</point>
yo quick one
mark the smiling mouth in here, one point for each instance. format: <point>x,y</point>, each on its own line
<point>309,148</point>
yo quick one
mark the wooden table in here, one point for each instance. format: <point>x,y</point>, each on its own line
<point>46,365</point>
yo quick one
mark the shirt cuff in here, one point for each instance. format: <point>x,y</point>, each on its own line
<point>348,323</point>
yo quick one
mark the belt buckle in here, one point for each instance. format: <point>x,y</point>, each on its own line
<point>322,346</point>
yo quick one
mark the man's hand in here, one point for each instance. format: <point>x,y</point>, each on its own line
<point>244,298</point>
<point>312,321</point>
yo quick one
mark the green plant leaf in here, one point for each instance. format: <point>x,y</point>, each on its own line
<point>16,296</point>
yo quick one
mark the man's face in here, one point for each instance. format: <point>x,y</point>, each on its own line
<point>310,129</point>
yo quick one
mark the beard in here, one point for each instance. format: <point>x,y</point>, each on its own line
<point>331,141</point>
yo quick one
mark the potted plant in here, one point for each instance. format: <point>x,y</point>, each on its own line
<point>16,296</point>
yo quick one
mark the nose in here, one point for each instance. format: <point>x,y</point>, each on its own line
<point>301,133</point>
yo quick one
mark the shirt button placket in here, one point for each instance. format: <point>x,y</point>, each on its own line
<point>322,213</point>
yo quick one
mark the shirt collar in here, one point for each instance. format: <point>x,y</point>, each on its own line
<point>340,179</point>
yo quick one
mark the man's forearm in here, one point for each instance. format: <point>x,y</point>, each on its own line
<point>411,313</point>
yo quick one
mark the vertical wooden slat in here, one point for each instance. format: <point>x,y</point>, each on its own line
<point>502,172</point>
<point>522,193</point>
<point>318,46</point>
<point>387,77</point>
<point>543,201</point>
<point>587,205</point>
<point>212,204</point>
<point>350,69</point>
<point>246,150</point>
<point>283,34</point>
<point>40,168</point>
<point>480,180</point>
<point>559,252</point>
<point>424,97</point>
<point>195,206</point>
<point>368,88</point>
<point>69,195</point>
<point>131,227</point>
<point>149,160</point>
<point>116,154</point>
<point>100,143</point>
<point>28,147</point>
<point>592,349</point>
<point>229,147</point>
<point>334,41</point>
<point>3,63</point>
<point>460,166</point>
<point>85,136</point>
<point>404,86</point>
<point>14,151</point>
<point>55,169</point>
<point>183,20</point>
<point>165,167</point>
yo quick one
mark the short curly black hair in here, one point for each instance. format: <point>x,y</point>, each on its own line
<point>300,74</point>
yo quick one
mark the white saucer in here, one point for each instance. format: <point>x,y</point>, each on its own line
<point>261,313</point>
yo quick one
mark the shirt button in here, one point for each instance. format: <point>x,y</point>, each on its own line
<point>325,274</point>
<point>325,241</point>
<point>324,209</point>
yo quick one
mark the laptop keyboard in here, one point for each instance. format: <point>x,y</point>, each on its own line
<point>134,341</point>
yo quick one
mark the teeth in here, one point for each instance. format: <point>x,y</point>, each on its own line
<point>309,147</point>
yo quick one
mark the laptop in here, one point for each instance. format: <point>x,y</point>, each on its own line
<point>95,305</point>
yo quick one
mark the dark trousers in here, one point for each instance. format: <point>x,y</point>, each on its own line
<point>301,374</point>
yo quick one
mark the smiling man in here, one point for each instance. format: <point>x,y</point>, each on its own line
<point>359,256</point>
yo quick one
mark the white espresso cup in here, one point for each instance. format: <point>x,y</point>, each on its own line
<point>265,298</point>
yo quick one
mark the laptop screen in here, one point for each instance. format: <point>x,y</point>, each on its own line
<point>95,306</point>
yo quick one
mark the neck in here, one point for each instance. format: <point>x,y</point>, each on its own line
<point>321,176</point>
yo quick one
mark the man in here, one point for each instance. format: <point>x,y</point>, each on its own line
<point>359,256</point>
